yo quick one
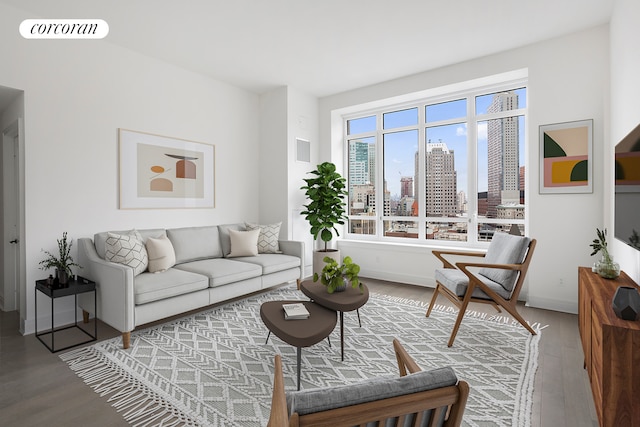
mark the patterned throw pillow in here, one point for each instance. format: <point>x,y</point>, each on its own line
<point>268,239</point>
<point>127,249</point>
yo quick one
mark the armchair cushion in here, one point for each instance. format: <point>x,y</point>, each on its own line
<point>505,249</point>
<point>458,282</point>
<point>320,399</point>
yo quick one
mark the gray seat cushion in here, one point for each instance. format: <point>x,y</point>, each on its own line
<point>150,287</point>
<point>222,271</point>
<point>505,249</point>
<point>458,282</point>
<point>272,263</point>
<point>322,399</point>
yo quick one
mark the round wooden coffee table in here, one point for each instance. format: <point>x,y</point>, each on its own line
<point>300,332</point>
<point>348,300</point>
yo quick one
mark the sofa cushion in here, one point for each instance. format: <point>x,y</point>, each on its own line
<point>322,399</point>
<point>161,254</point>
<point>272,263</point>
<point>243,243</point>
<point>127,249</point>
<point>222,271</point>
<point>225,240</point>
<point>268,239</point>
<point>150,287</point>
<point>194,243</point>
<point>99,239</point>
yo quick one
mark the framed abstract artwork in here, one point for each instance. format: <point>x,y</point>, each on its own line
<point>566,163</point>
<point>159,172</point>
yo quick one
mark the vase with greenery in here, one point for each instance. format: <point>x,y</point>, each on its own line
<point>606,267</point>
<point>62,262</point>
<point>336,276</point>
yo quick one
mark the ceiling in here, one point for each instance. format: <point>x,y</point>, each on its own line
<point>323,47</point>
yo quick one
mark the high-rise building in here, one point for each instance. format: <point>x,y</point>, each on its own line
<point>441,181</point>
<point>358,164</point>
<point>406,186</point>
<point>503,152</point>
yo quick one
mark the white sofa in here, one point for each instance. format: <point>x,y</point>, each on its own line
<point>203,274</point>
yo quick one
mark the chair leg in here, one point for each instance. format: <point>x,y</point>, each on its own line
<point>463,310</point>
<point>433,300</point>
<point>514,313</point>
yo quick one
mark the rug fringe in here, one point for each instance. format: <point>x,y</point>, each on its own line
<point>138,405</point>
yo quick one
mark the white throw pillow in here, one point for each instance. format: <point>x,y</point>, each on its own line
<point>268,239</point>
<point>127,249</point>
<point>243,243</point>
<point>162,256</point>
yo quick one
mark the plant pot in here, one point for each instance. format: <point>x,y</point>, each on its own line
<point>318,259</point>
<point>62,276</point>
<point>343,287</point>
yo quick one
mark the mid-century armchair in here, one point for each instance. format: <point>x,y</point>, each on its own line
<point>416,398</point>
<point>496,281</point>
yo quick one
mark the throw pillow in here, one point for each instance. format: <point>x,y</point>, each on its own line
<point>268,239</point>
<point>127,249</point>
<point>244,243</point>
<point>161,254</point>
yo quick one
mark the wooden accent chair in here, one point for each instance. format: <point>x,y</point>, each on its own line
<point>496,281</point>
<point>433,398</point>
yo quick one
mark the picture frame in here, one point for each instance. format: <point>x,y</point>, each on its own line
<point>160,172</point>
<point>566,157</point>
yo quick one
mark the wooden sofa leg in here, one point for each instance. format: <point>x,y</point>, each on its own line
<point>298,283</point>
<point>85,316</point>
<point>126,340</point>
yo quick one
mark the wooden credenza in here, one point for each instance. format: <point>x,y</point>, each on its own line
<point>611,350</point>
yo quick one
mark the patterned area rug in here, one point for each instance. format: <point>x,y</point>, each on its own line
<point>214,368</point>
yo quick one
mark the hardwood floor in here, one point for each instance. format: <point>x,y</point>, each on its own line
<point>38,389</point>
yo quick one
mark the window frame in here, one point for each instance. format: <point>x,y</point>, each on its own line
<point>470,92</point>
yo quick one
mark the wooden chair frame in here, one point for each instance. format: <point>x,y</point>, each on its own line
<point>510,305</point>
<point>453,397</point>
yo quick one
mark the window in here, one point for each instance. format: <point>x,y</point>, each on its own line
<point>449,169</point>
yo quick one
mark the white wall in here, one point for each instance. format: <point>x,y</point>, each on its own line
<point>77,94</point>
<point>625,108</point>
<point>568,80</point>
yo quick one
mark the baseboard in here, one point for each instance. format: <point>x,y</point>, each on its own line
<point>553,304</point>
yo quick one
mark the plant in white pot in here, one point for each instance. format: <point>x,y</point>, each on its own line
<point>62,262</point>
<point>326,209</point>
<point>336,276</point>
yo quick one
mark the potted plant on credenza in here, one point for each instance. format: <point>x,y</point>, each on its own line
<point>326,191</point>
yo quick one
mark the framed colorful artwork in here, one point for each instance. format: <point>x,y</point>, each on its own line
<point>566,163</point>
<point>159,172</point>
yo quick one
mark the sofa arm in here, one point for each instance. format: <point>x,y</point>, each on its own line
<point>294,248</point>
<point>114,288</point>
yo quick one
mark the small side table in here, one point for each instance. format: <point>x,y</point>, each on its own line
<point>79,285</point>
<point>348,300</point>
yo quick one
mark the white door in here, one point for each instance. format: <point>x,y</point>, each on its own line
<point>10,212</point>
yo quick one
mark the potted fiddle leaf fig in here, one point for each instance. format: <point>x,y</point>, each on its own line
<point>62,262</point>
<point>326,191</point>
<point>337,276</point>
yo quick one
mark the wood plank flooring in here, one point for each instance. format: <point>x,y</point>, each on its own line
<point>38,389</point>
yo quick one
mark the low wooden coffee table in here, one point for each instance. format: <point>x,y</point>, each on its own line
<point>301,332</point>
<point>348,300</point>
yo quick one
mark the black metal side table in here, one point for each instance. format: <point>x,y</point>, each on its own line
<point>79,285</point>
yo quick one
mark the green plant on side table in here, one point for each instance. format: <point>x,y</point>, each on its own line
<point>606,267</point>
<point>337,276</point>
<point>63,262</point>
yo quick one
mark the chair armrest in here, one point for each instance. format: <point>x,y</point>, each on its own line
<point>278,416</point>
<point>114,288</point>
<point>474,281</point>
<point>405,362</point>
<point>294,248</point>
<point>447,264</point>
